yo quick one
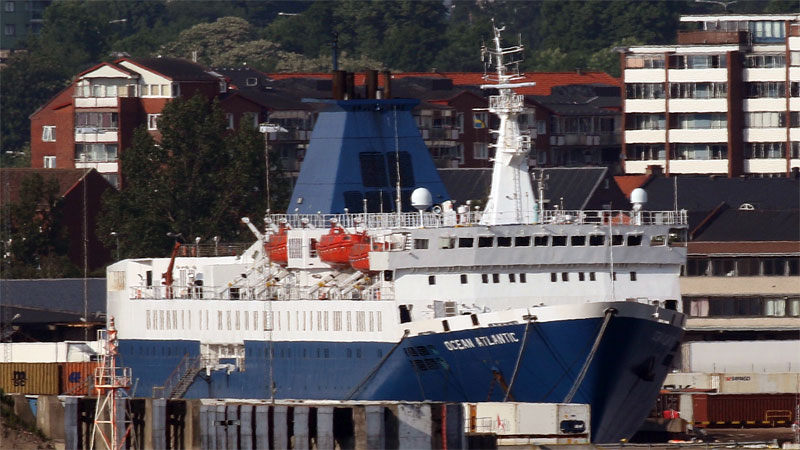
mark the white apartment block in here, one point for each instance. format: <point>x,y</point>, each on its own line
<point>724,100</point>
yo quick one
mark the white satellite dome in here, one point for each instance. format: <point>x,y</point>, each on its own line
<point>639,196</point>
<point>421,199</point>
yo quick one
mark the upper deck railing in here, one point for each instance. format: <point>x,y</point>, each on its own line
<point>472,218</point>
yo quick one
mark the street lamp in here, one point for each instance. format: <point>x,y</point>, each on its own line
<point>116,236</point>
<point>268,128</point>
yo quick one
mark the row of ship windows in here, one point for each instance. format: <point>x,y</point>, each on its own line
<point>594,240</point>
<point>523,278</point>
<point>742,306</point>
<point>241,320</point>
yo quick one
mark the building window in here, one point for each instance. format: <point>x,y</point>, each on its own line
<point>698,121</point>
<point>9,7</point>
<point>480,119</point>
<point>49,162</point>
<point>767,31</point>
<point>765,119</point>
<point>644,62</point>
<point>480,150</point>
<point>155,90</point>
<point>645,122</point>
<point>229,120</point>
<point>646,152</point>
<point>699,151</point>
<point>765,150</point>
<point>152,121</point>
<point>541,127</point>
<point>698,61</point>
<point>644,90</point>
<point>765,61</point>
<point>94,122</point>
<point>49,133</point>
<point>113,179</point>
<point>10,29</point>
<point>95,152</point>
<point>698,90</point>
<point>765,89</point>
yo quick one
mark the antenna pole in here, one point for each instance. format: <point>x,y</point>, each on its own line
<point>398,199</point>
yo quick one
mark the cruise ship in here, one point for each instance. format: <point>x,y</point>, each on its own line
<point>376,287</point>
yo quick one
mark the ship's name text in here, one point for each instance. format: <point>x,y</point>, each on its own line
<point>481,341</point>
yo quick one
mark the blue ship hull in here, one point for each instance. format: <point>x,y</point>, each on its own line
<point>621,383</point>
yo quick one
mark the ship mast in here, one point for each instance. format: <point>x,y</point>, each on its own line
<point>511,199</point>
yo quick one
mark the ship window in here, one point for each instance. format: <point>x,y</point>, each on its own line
<point>633,276</point>
<point>540,241</point>
<point>617,239</point>
<point>445,326</point>
<point>466,242</point>
<point>371,321</point>
<point>485,241</point>
<point>591,276</point>
<point>406,170</point>
<point>503,241</point>
<point>658,240</point>
<point>402,308</point>
<point>147,320</point>
<point>463,278</point>
<point>405,315</point>
<point>597,240</point>
<point>512,278</point>
<point>219,320</point>
<point>581,276</point>
<point>485,278</point>
<point>553,277</point>
<point>577,241</point>
<point>559,241</point>
<point>634,240</point>
<point>388,275</point>
<point>353,201</point>
<point>431,279</point>
<point>564,276</point>
<point>495,278</point>
<point>523,278</point>
<point>614,276</point>
<point>380,321</point>
<point>522,241</point>
<point>228,318</point>
<point>446,242</point>
<point>421,244</point>
<point>373,169</point>
<point>238,320</point>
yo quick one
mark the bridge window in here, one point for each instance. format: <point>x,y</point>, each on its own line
<point>559,241</point>
<point>597,240</point>
<point>465,242</point>
<point>578,241</point>
<point>540,241</point>
<point>503,241</point>
<point>485,241</point>
<point>463,278</point>
<point>522,241</point>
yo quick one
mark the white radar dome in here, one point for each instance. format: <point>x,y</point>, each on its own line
<point>639,195</point>
<point>421,199</point>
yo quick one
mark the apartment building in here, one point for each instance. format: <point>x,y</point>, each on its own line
<point>724,100</point>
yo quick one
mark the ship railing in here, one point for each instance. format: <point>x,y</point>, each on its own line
<point>277,292</point>
<point>439,219</point>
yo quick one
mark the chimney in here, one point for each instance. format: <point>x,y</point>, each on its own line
<point>339,81</point>
<point>387,84</point>
<point>654,170</point>
<point>372,83</point>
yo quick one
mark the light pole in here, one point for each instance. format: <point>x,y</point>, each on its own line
<point>268,128</point>
<point>116,236</point>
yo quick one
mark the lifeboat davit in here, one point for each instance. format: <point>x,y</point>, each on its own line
<point>359,254</point>
<point>276,247</point>
<point>334,247</point>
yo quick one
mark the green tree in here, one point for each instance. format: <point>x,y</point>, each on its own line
<point>198,180</point>
<point>34,240</point>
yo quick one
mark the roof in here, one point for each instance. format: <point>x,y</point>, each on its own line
<point>627,183</point>
<point>545,81</point>
<point>12,178</point>
<point>733,225</point>
<point>174,68</point>
<point>572,186</point>
<point>704,193</point>
<point>53,300</point>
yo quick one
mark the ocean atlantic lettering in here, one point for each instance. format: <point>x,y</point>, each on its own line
<point>481,341</point>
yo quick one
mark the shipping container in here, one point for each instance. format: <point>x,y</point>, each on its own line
<point>530,423</point>
<point>741,356</point>
<point>76,378</point>
<point>29,378</point>
<point>744,410</point>
<point>733,382</point>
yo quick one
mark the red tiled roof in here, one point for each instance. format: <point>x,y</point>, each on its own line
<point>627,183</point>
<point>545,81</point>
<point>12,178</point>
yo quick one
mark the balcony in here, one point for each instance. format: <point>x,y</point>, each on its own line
<point>584,139</point>
<point>713,37</point>
<point>96,102</point>
<point>94,134</point>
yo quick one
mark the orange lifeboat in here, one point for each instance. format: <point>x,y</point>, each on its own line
<point>276,247</point>
<point>334,247</point>
<point>359,254</point>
